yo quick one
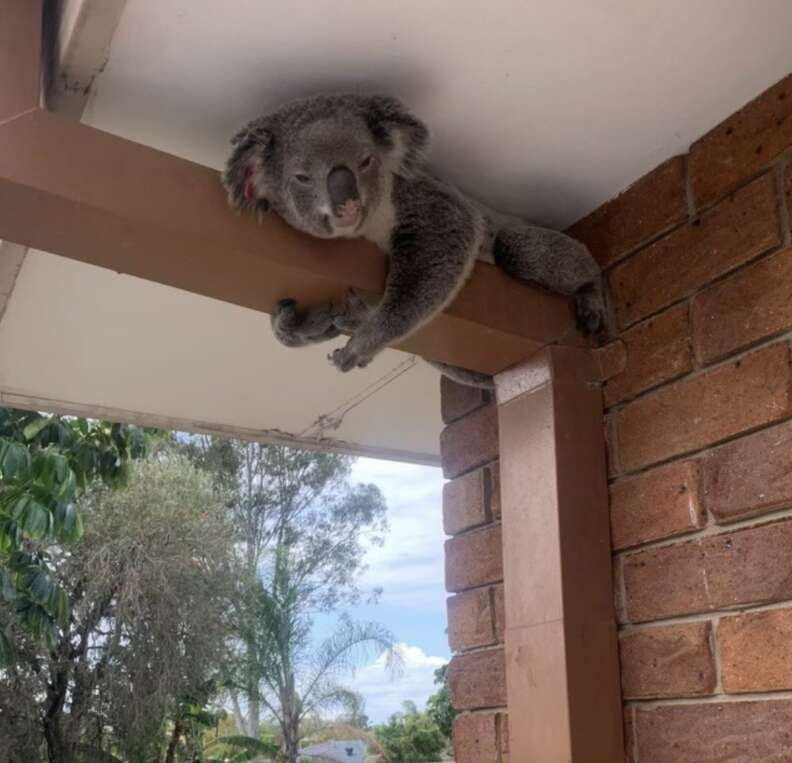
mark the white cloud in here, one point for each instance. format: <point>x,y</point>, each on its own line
<point>409,566</point>
<point>384,693</point>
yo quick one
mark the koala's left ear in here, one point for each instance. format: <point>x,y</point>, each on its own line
<point>244,176</point>
<point>394,127</point>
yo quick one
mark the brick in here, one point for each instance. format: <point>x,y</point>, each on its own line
<point>619,605</point>
<point>702,410</point>
<point>629,735</point>
<point>500,613</point>
<point>471,500</point>
<point>750,476</point>
<point>649,206</point>
<point>504,733</point>
<point>610,360</point>
<point>660,503</point>
<point>477,680</point>
<point>611,446</point>
<point>750,566</point>
<point>657,350</point>
<point>464,503</point>
<point>734,732</point>
<point>734,232</point>
<point>457,400</point>
<point>747,141</point>
<point>747,307</point>
<point>492,489</point>
<point>474,559</point>
<point>471,620</point>
<point>475,738</point>
<point>667,661</point>
<point>470,441</point>
<point>787,183</point>
<point>756,651</point>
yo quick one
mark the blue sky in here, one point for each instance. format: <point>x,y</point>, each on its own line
<point>409,569</point>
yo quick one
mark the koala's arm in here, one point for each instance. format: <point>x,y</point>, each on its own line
<point>556,261</point>
<point>432,251</point>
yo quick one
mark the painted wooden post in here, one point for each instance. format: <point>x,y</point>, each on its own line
<point>562,669</point>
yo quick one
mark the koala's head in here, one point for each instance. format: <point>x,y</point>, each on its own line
<point>322,163</point>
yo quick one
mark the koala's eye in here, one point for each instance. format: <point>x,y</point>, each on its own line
<point>302,178</point>
<point>366,163</point>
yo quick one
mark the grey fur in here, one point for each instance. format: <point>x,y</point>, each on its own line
<point>432,232</point>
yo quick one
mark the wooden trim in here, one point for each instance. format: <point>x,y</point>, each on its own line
<point>72,190</point>
<point>20,54</point>
<point>562,668</point>
<point>170,423</point>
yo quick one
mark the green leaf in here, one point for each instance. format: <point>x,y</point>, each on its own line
<point>68,485</point>
<point>35,519</point>
<point>59,606</point>
<point>67,522</point>
<point>39,585</point>
<point>14,459</point>
<point>35,427</point>
<point>8,589</point>
<point>7,651</point>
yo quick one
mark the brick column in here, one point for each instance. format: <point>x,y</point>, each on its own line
<point>474,574</point>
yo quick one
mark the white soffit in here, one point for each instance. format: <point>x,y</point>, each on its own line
<point>81,339</point>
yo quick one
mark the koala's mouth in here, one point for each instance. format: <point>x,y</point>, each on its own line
<point>348,214</point>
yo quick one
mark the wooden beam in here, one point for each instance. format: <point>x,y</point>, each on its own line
<point>20,53</point>
<point>75,191</point>
<point>562,665</point>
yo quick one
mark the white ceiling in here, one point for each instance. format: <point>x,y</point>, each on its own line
<point>543,108</point>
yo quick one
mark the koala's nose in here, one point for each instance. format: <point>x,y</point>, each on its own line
<point>342,186</point>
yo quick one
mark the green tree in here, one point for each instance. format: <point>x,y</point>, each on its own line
<point>148,589</point>
<point>438,706</point>
<point>45,461</point>
<point>411,737</point>
<point>301,526</point>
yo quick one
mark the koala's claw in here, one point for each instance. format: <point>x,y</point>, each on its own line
<point>285,304</point>
<point>589,322</point>
<point>589,311</point>
<point>345,359</point>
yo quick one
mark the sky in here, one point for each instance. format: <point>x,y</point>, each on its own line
<point>409,569</point>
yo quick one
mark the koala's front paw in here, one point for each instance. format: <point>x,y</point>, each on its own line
<point>285,323</point>
<point>352,312</point>
<point>345,359</point>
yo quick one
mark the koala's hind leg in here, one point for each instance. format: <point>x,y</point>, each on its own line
<point>463,376</point>
<point>557,262</point>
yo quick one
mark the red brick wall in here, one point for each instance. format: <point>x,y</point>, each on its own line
<point>474,574</point>
<point>699,410</point>
<point>698,397</point>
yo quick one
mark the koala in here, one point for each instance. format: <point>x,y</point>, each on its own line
<point>344,166</point>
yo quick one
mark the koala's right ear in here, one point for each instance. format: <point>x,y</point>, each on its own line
<point>245,177</point>
<point>394,127</point>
